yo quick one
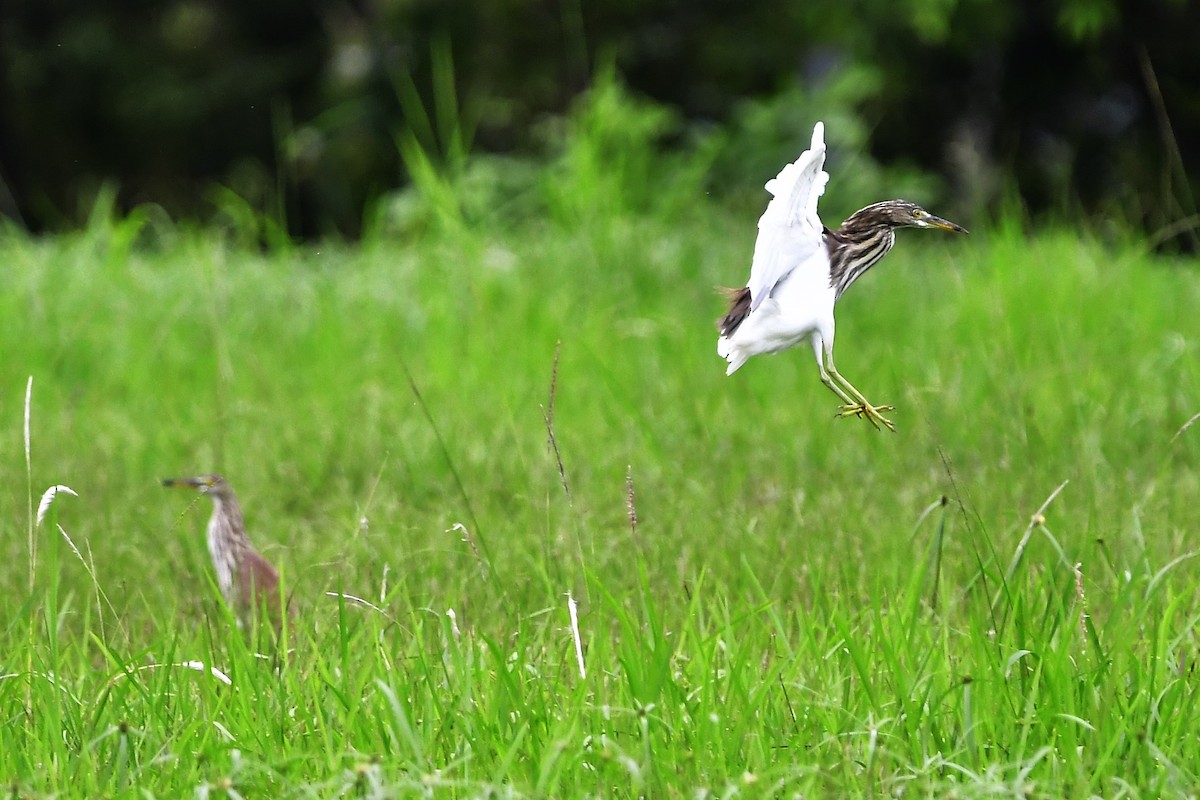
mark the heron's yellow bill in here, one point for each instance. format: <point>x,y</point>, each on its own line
<point>944,224</point>
<point>201,482</point>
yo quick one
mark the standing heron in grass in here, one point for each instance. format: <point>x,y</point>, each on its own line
<point>801,268</point>
<point>246,579</point>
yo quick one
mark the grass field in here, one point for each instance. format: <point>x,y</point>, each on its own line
<point>998,600</point>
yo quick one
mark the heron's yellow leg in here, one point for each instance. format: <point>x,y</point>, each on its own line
<point>823,350</point>
<point>833,387</point>
<point>856,404</point>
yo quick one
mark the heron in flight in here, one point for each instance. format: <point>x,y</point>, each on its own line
<point>246,579</point>
<point>801,268</point>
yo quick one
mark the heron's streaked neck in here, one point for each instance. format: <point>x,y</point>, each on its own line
<point>226,541</point>
<point>227,521</point>
<point>854,248</point>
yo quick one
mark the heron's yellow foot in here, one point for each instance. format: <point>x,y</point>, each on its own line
<point>872,414</point>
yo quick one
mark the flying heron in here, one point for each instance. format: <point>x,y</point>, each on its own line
<point>246,579</point>
<point>801,268</point>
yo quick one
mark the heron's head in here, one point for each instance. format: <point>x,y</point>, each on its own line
<point>207,484</point>
<point>903,214</point>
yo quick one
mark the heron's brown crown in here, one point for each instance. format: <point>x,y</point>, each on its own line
<point>892,214</point>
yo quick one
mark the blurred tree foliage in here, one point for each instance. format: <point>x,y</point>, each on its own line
<point>311,112</point>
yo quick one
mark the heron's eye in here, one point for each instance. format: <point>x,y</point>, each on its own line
<point>918,213</point>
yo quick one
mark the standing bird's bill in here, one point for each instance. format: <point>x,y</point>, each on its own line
<point>801,268</point>
<point>200,482</point>
<point>248,582</point>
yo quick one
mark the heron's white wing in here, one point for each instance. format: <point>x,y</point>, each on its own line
<point>789,231</point>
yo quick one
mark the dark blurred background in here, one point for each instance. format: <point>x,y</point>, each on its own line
<point>1068,106</point>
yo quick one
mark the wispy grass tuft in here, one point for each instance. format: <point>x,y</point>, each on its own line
<point>548,416</point>
<point>31,532</point>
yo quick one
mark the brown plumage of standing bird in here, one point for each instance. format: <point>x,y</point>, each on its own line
<point>248,582</point>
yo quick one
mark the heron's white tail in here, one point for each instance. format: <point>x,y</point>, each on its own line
<point>735,355</point>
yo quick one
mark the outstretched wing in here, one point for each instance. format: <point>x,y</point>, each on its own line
<point>789,231</point>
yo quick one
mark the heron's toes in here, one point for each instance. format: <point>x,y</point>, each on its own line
<point>872,414</point>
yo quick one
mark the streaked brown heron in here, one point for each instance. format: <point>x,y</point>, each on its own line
<point>247,580</point>
<point>801,268</point>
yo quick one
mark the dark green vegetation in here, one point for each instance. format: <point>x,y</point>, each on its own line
<point>296,107</point>
<point>805,605</point>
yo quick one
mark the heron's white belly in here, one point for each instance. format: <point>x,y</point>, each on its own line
<point>797,311</point>
<point>769,331</point>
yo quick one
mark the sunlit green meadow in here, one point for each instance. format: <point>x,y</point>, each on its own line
<point>998,600</point>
